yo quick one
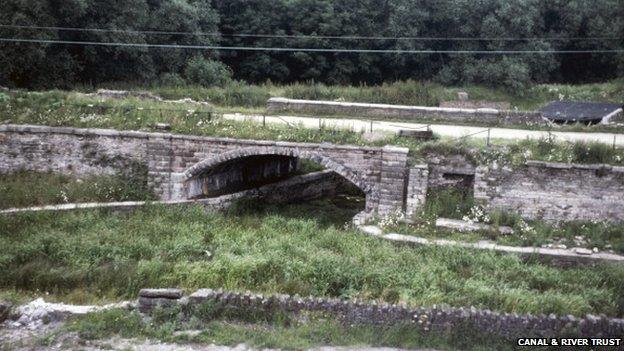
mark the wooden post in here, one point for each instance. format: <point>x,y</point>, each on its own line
<point>371,125</point>
<point>263,120</point>
<point>488,137</point>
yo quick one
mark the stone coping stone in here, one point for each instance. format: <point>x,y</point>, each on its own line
<point>126,205</point>
<point>388,106</point>
<point>562,257</point>
<point>464,226</point>
<point>570,256</point>
<point>371,230</point>
<point>29,128</point>
<point>561,165</point>
<point>168,293</point>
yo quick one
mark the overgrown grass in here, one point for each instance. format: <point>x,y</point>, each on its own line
<point>448,202</point>
<point>603,236</point>
<point>458,203</point>
<point>57,108</point>
<point>98,253</point>
<point>567,152</point>
<point>281,332</point>
<point>409,92</point>
<point>60,109</point>
<point>27,188</point>
<point>399,93</point>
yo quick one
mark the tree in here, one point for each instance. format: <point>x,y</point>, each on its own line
<point>207,72</point>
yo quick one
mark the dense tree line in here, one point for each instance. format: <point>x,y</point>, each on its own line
<point>53,65</point>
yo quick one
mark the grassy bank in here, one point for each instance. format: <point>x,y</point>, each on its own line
<point>95,254</point>
<point>26,188</point>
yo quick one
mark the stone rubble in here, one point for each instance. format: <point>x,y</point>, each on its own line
<point>38,312</point>
<point>464,226</point>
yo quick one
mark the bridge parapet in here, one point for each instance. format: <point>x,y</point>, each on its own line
<point>170,159</point>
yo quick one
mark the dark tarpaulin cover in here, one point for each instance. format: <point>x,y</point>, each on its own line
<point>578,111</point>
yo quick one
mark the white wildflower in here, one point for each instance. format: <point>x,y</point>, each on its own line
<point>391,219</point>
<point>477,215</point>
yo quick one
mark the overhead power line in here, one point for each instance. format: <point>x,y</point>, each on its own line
<point>302,36</point>
<point>291,49</point>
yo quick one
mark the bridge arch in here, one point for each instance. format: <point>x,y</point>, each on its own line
<point>368,188</point>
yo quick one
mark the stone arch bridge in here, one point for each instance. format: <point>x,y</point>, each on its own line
<point>183,166</point>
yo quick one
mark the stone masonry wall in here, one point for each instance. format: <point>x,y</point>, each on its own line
<point>416,189</point>
<point>449,170</point>
<point>553,191</point>
<point>393,177</point>
<point>167,156</point>
<point>408,112</point>
<point>63,150</point>
<point>426,319</point>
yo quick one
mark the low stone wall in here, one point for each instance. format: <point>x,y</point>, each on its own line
<point>414,113</point>
<point>427,319</point>
<point>499,105</point>
<point>553,191</point>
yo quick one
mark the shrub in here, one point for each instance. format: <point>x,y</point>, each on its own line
<point>172,80</point>
<point>207,72</point>
<point>592,152</point>
<point>242,94</point>
<point>4,97</point>
<point>513,74</point>
<point>310,91</point>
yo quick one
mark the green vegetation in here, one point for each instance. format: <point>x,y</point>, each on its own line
<point>430,94</point>
<point>458,203</point>
<point>98,254</point>
<point>408,92</point>
<point>603,236</point>
<point>56,108</point>
<point>25,188</point>
<point>567,152</point>
<point>207,72</point>
<point>230,327</point>
<point>453,202</point>
<point>212,23</point>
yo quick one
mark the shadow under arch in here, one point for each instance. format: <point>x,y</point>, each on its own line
<point>204,166</point>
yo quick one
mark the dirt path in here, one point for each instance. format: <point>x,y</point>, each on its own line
<point>452,131</point>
